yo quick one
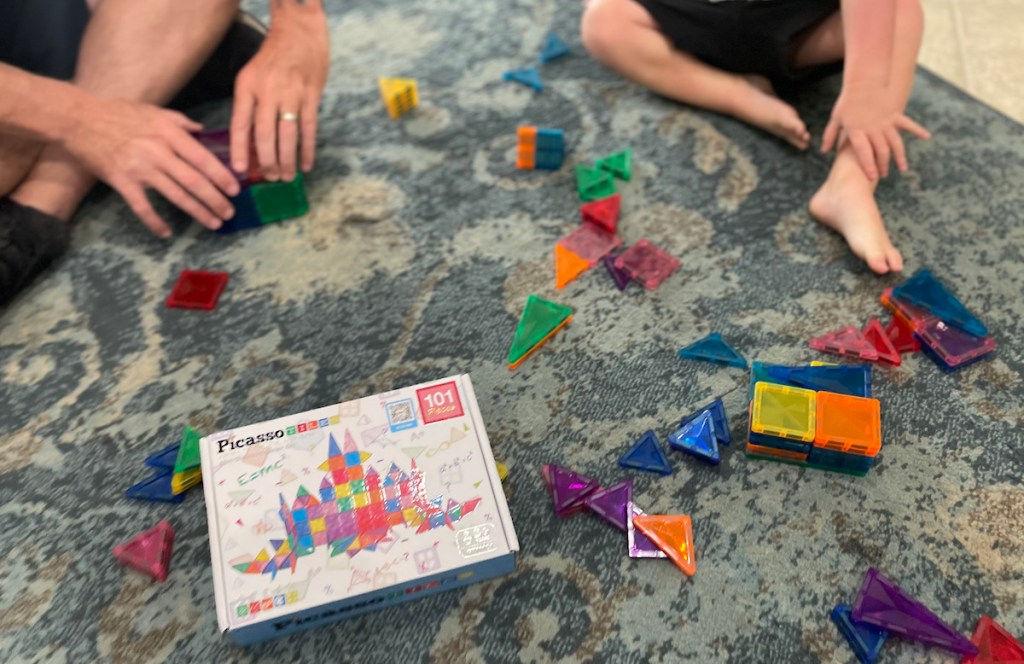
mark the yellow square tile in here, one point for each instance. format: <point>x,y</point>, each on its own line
<point>787,412</point>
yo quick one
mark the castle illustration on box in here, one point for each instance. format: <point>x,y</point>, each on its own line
<point>355,511</point>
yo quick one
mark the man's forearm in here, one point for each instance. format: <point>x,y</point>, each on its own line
<point>302,10</point>
<point>869,30</point>
<point>36,107</point>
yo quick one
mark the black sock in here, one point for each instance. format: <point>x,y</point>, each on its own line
<point>29,241</point>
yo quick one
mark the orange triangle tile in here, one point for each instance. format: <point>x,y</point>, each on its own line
<point>673,533</point>
<point>568,266</point>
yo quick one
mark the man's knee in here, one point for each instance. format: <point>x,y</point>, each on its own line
<point>602,21</point>
<point>17,157</point>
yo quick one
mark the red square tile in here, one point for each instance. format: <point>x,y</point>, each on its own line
<point>197,289</point>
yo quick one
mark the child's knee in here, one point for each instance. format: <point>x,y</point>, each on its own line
<point>911,14</point>
<point>598,27</point>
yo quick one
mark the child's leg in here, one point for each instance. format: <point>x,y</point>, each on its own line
<point>846,202</point>
<point>623,35</point>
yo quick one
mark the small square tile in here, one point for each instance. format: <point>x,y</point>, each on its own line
<point>197,289</point>
<point>590,243</point>
<point>787,412</point>
<point>647,263</point>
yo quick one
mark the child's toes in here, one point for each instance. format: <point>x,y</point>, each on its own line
<point>894,259</point>
<point>878,262</point>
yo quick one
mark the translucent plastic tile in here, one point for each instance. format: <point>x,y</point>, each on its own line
<point>568,488</point>
<point>197,289</point>
<point>926,291</point>
<point>713,348</point>
<point>399,95</point>
<point>276,201</point>
<point>620,277</point>
<point>157,488</point>
<point>639,545</point>
<point>149,552</point>
<point>761,372</point>
<point>718,415</point>
<point>165,458</point>
<point>611,503</point>
<point>865,641</point>
<point>568,266</point>
<point>848,424</point>
<point>553,49</point>
<point>603,212</point>
<point>530,77</point>
<point>778,443</point>
<point>876,336</point>
<point>884,604</point>
<point>619,164</point>
<point>953,345</point>
<point>852,379</point>
<point>647,263</point>
<point>852,464</point>
<point>646,454</point>
<point>848,341</point>
<point>592,184</point>
<point>591,243</point>
<point>246,215</point>
<point>673,533</point>
<point>772,453</point>
<point>697,438</point>
<point>995,644</point>
<point>540,321</point>
<point>908,314</point>
<point>902,336</point>
<point>787,412</point>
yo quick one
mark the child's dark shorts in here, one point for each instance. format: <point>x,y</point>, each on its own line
<point>745,36</point>
<point>42,36</point>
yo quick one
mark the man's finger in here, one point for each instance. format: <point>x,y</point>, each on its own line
<point>136,199</point>
<point>287,142</point>
<point>184,201</point>
<point>241,128</point>
<point>215,207</point>
<point>203,160</point>
<point>266,137</point>
<point>310,112</point>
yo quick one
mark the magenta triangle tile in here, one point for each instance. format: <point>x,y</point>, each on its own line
<point>611,503</point>
<point>882,603</point>
<point>568,488</point>
<point>639,544</point>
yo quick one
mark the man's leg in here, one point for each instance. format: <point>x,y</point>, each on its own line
<point>846,202</point>
<point>623,35</point>
<point>140,51</point>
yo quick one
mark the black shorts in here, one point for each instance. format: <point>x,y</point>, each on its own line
<point>42,36</point>
<point>744,36</point>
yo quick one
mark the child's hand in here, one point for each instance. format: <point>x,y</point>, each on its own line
<point>872,127</point>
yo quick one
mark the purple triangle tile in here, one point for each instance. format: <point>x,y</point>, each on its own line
<point>639,544</point>
<point>611,503</point>
<point>568,488</point>
<point>621,277</point>
<point>882,603</point>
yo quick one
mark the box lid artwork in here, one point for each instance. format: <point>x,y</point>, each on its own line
<point>339,510</point>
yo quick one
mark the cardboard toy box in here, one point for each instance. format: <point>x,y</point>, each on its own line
<point>344,509</point>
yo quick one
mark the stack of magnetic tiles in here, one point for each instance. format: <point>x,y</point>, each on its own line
<point>399,95</point>
<point>177,470</point>
<point>820,416</point>
<point>259,202</point>
<point>540,148</point>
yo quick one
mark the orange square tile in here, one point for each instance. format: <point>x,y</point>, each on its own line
<point>848,424</point>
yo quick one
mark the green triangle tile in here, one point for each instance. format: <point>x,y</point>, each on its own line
<point>593,184</point>
<point>280,200</point>
<point>539,321</point>
<point>188,452</point>
<point>619,164</point>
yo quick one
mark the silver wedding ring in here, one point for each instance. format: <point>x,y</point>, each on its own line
<point>288,117</point>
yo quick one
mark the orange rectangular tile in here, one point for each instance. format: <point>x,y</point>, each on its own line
<point>788,455</point>
<point>848,424</point>
<point>526,158</point>
<point>527,136</point>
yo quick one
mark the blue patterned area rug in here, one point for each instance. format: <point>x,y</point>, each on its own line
<point>420,247</point>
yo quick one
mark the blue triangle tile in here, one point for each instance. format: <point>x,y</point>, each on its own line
<point>698,438</point>
<point>854,380</point>
<point>157,487</point>
<point>528,77</point>
<point>865,641</point>
<point>924,290</point>
<point>164,458</point>
<point>718,416</point>
<point>713,348</point>
<point>553,48</point>
<point>646,455</point>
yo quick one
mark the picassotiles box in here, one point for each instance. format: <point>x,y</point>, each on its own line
<point>344,509</point>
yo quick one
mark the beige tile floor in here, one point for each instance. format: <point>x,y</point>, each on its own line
<point>978,45</point>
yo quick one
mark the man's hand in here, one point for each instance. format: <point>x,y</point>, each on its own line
<point>872,129</point>
<point>133,147</point>
<point>278,92</point>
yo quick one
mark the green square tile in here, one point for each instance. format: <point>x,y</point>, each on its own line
<point>280,200</point>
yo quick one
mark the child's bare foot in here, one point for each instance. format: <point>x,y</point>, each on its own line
<point>763,109</point>
<point>846,204</point>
